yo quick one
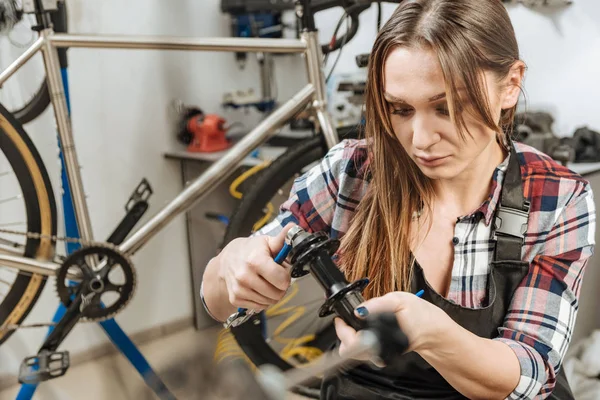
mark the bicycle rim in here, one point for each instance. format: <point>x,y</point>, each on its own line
<point>26,93</point>
<point>290,333</point>
<point>29,207</point>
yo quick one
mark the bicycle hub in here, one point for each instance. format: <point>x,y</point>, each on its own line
<point>311,253</point>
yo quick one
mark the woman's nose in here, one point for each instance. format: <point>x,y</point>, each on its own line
<point>424,135</point>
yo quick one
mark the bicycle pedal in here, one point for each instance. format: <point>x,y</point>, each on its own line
<point>44,366</point>
<point>141,193</point>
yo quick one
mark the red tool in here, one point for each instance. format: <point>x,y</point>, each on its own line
<point>208,133</point>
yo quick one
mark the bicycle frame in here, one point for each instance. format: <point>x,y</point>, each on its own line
<point>312,94</point>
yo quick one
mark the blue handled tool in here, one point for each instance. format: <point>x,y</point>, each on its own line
<point>242,315</point>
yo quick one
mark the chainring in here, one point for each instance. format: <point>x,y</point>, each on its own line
<point>93,308</point>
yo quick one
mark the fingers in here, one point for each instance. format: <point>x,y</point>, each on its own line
<point>344,332</point>
<point>243,297</point>
<point>347,335</point>
<point>273,273</point>
<point>260,285</point>
<point>391,302</point>
<point>275,243</point>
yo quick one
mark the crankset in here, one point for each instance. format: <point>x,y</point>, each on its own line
<point>106,287</point>
<point>104,291</point>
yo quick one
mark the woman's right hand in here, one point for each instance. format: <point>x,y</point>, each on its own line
<point>254,280</point>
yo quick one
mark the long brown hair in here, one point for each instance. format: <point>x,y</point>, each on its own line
<point>468,36</point>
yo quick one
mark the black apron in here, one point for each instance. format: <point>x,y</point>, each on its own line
<point>411,377</point>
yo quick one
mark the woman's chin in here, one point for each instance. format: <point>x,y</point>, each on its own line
<point>444,172</point>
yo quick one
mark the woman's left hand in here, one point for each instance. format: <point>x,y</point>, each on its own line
<point>422,322</point>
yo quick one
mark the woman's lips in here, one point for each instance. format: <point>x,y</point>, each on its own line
<point>431,161</point>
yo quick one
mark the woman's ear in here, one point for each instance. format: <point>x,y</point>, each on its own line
<point>512,85</point>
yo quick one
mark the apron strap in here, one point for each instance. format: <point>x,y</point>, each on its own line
<point>512,215</point>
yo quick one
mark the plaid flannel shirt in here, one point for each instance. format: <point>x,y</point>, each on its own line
<point>560,238</point>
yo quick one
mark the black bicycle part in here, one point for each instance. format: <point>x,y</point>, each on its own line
<point>305,15</point>
<point>44,366</point>
<point>133,216</point>
<point>142,193</point>
<point>96,283</point>
<point>27,371</point>
<point>40,101</point>
<point>65,325</point>
<point>391,338</point>
<point>352,8</point>
<point>42,16</point>
<point>49,363</point>
<point>135,208</point>
<point>314,254</point>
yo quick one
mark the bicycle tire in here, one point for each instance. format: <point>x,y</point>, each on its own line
<point>249,335</point>
<point>40,208</point>
<point>41,99</point>
<point>35,107</point>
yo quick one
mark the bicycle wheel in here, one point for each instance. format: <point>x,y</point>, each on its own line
<point>29,207</point>
<point>290,333</point>
<point>26,93</point>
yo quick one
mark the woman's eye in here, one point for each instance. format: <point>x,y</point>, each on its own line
<point>403,112</point>
<point>443,110</point>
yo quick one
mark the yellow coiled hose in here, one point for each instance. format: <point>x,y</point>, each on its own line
<point>293,347</point>
<point>233,190</point>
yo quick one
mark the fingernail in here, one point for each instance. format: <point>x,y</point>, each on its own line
<point>362,311</point>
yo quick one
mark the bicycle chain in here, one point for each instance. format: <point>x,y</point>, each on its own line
<point>65,239</point>
<point>55,238</point>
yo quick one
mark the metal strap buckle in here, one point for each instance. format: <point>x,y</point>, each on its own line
<point>511,221</point>
<point>238,318</point>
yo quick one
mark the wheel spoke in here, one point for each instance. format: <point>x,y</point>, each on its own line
<point>6,200</point>
<point>10,243</point>
<point>13,223</point>
<point>5,282</point>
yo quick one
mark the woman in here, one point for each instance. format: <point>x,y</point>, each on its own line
<point>436,197</point>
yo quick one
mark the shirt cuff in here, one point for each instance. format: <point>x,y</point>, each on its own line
<point>533,371</point>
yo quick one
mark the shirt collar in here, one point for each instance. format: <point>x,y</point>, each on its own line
<point>488,207</point>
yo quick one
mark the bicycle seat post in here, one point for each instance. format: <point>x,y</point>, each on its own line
<point>305,15</point>
<point>42,16</point>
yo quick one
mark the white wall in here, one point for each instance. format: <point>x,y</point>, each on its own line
<point>120,104</point>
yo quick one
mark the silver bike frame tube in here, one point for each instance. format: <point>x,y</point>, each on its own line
<point>314,62</point>
<point>63,122</point>
<point>21,60</point>
<point>179,43</point>
<point>217,173</point>
<point>46,268</point>
<point>220,170</point>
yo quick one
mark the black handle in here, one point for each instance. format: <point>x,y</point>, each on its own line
<point>60,25</point>
<point>392,341</point>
